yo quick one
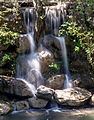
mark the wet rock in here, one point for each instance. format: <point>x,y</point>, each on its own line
<point>4,108</point>
<point>51,40</point>
<point>46,58</point>
<point>52,43</point>
<point>37,103</point>
<point>44,92</point>
<point>72,96</point>
<point>14,86</point>
<point>92,100</point>
<point>83,81</point>
<point>24,45</point>
<point>22,105</point>
<point>56,82</point>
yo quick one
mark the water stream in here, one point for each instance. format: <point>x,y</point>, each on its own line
<point>56,17</point>
<point>29,68</point>
<point>68,82</point>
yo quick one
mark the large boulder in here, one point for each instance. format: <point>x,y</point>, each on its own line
<point>72,96</point>
<point>45,92</point>
<point>56,82</point>
<point>17,87</point>
<point>37,103</point>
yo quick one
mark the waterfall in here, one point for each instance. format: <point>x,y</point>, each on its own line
<point>55,17</point>
<point>29,68</point>
<point>29,65</point>
<point>68,82</point>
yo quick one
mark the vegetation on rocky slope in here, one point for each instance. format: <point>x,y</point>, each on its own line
<point>79,28</point>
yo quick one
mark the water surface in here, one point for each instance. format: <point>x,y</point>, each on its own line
<point>87,114</point>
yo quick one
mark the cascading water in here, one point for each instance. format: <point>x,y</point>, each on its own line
<point>55,17</point>
<point>29,66</point>
<point>68,82</point>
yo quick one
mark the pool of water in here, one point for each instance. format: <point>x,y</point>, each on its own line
<point>85,114</point>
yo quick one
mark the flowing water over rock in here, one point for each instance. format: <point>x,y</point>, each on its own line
<point>29,66</point>
<point>68,82</point>
<point>55,17</point>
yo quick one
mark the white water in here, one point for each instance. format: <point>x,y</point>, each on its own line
<point>55,17</point>
<point>30,86</point>
<point>29,67</point>
<point>68,81</point>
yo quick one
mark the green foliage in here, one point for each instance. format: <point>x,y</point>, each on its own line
<point>82,38</point>
<point>80,28</point>
<point>6,58</point>
<point>86,10</point>
<point>55,66</point>
<point>7,37</point>
<point>8,61</point>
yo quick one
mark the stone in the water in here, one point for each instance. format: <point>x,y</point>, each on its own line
<point>37,103</point>
<point>72,96</point>
<point>45,92</point>
<point>22,105</point>
<point>56,82</point>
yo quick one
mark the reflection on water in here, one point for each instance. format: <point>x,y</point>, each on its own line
<point>88,117</point>
<point>50,115</point>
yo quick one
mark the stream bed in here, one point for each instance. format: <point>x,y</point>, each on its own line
<point>51,114</point>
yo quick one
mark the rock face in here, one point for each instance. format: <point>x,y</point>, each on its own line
<point>37,103</point>
<point>56,82</point>
<point>14,86</point>
<point>46,58</point>
<point>22,105</point>
<point>4,108</point>
<point>45,92</point>
<point>72,96</point>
